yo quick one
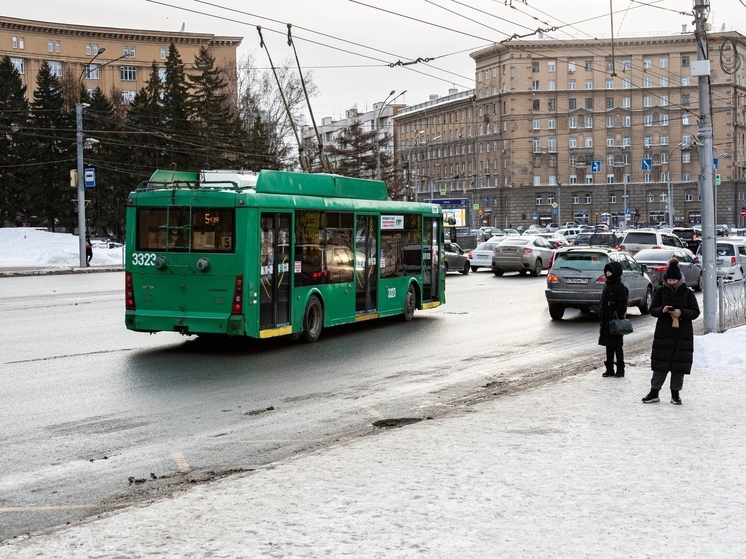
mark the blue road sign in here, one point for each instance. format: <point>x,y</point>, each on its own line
<point>90,177</point>
<point>554,210</point>
<point>595,166</point>
<point>628,211</point>
<point>716,162</point>
<point>647,164</point>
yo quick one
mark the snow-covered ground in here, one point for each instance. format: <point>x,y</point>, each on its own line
<point>22,247</point>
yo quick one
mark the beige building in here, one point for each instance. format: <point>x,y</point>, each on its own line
<point>96,57</point>
<point>585,131</point>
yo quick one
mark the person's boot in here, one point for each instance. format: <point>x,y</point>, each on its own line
<point>609,369</point>
<point>619,370</point>
<point>651,397</point>
<point>675,398</point>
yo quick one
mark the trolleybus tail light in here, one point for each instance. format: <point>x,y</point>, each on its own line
<point>129,292</point>
<point>237,307</point>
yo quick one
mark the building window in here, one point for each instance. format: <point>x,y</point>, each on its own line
<point>535,66</point>
<point>610,160</point>
<point>537,124</point>
<point>88,49</point>
<point>589,65</point>
<point>647,82</point>
<point>128,97</point>
<point>539,199</point>
<point>648,140</point>
<point>664,139</point>
<point>128,73</point>
<point>688,197</point>
<point>647,120</point>
<point>589,142</point>
<point>626,65</point>
<point>609,122</point>
<point>686,176</point>
<point>609,64</point>
<point>685,61</point>
<point>552,85</point>
<point>55,68</point>
<point>573,122</point>
<point>571,67</point>
<point>132,52</point>
<point>609,102</point>
<point>686,157</point>
<point>589,102</point>
<point>572,103</point>
<point>589,122</point>
<point>15,42</point>
<point>574,180</point>
<point>50,45</point>
<point>573,142</point>
<point>626,84</point>
<point>625,158</point>
<point>647,101</point>
<point>550,104</point>
<point>552,124</point>
<point>589,84</point>
<point>664,62</point>
<point>612,196</point>
<point>19,64</point>
<point>95,48</point>
<point>21,43</point>
<point>57,46</point>
<point>627,178</point>
<point>551,66</point>
<point>647,63</point>
<point>626,102</point>
<point>536,105</point>
<point>553,180</point>
<point>685,99</point>
<point>664,81</point>
<point>664,120</point>
<point>588,198</point>
<point>647,177</point>
<point>163,54</point>
<point>571,85</point>
<point>573,161</point>
<point>665,176</point>
<point>536,145</point>
<point>685,119</point>
<point>627,121</point>
<point>610,142</point>
<point>664,100</point>
<point>626,141</point>
<point>535,85</point>
<point>90,72</point>
<point>537,180</point>
<point>552,144</point>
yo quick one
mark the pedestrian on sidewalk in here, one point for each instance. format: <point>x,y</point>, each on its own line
<point>613,302</point>
<point>675,307</point>
<point>88,250</point>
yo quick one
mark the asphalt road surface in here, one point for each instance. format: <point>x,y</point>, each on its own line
<point>93,416</point>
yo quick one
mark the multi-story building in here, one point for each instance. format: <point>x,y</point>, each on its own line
<point>585,131</point>
<point>116,60</point>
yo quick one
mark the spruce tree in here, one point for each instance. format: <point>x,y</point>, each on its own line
<point>180,143</point>
<point>14,143</point>
<point>53,154</point>
<point>354,154</point>
<point>145,124</point>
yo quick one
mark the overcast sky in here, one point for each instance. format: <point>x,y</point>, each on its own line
<point>355,41</point>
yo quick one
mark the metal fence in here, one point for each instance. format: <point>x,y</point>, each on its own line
<point>731,304</point>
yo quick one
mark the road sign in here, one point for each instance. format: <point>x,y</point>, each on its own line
<point>717,180</point>
<point>475,206</point>
<point>647,164</point>
<point>90,177</point>
<point>628,211</point>
<point>743,212</point>
<point>716,162</point>
<point>443,192</point>
<point>535,215</point>
<point>554,204</point>
<point>554,210</point>
<point>595,166</point>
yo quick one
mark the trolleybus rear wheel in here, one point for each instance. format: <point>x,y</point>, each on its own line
<point>313,320</point>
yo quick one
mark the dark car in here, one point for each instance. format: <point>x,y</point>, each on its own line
<point>689,236</point>
<point>577,279</point>
<point>582,239</point>
<point>721,230</point>
<point>603,238</point>
<point>656,260</point>
<point>455,258</point>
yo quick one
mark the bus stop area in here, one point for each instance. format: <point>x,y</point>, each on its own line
<point>576,467</point>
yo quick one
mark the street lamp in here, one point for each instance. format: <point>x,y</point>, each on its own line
<point>414,142</point>
<point>378,125</point>
<point>79,143</point>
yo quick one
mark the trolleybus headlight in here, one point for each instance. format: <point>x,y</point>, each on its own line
<point>160,263</point>
<point>203,264</point>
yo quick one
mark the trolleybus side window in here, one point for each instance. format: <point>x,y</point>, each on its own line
<point>323,247</point>
<point>181,228</point>
<point>401,250</point>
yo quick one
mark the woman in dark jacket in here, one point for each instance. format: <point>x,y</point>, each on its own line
<point>675,307</point>
<point>613,301</point>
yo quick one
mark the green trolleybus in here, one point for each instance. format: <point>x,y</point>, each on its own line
<point>275,253</point>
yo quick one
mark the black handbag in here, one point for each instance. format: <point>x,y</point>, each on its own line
<point>620,326</point>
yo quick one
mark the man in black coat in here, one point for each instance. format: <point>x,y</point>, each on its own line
<point>613,302</point>
<point>675,307</point>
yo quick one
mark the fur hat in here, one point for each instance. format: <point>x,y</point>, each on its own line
<point>673,271</point>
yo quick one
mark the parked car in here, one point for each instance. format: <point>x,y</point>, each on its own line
<point>581,239</point>
<point>490,232</point>
<point>689,236</point>
<point>730,258</point>
<point>577,279</point>
<point>656,260</point>
<point>721,230</point>
<point>552,227</point>
<point>557,241</point>
<point>512,232</point>
<point>638,239</point>
<point>604,238</point>
<point>481,257</point>
<point>455,258</point>
<point>529,253</point>
<point>569,233</point>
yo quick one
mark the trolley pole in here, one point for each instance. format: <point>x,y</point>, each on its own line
<point>701,69</point>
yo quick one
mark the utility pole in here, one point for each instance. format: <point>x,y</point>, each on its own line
<point>701,69</point>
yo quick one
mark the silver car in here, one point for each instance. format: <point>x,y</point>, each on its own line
<point>529,253</point>
<point>577,280</point>
<point>481,257</point>
<point>656,260</point>
<point>455,258</point>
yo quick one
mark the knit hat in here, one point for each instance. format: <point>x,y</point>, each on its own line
<point>673,271</point>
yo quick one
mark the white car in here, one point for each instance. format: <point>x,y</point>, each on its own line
<point>730,258</point>
<point>481,257</point>
<point>569,233</point>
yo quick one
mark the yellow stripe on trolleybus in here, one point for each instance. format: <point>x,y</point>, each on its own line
<point>272,332</point>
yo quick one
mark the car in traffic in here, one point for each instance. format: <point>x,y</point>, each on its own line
<point>569,233</point>
<point>721,230</point>
<point>455,258</point>
<point>689,236</point>
<point>730,258</point>
<point>638,239</point>
<point>525,254</point>
<point>582,239</point>
<point>481,256</point>
<point>576,280</point>
<point>656,260</point>
<point>557,241</point>
<point>605,238</point>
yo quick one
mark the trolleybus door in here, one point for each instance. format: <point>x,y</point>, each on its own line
<point>366,264</point>
<point>274,282</point>
<point>431,254</point>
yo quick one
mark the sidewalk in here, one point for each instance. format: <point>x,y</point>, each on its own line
<point>577,468</point>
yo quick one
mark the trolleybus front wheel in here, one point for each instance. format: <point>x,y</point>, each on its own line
<point>313,320</point>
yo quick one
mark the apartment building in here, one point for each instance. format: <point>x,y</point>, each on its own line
<point>116,60</point>
<point>587,131</point>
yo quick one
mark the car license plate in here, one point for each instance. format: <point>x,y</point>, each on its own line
<point>577,280</point>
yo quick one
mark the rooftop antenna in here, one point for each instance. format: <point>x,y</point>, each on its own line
<point>304,165</point>
<point>322,154</point>
<point>183,26</point>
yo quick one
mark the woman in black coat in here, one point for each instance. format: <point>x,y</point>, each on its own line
<point>675,307</point>
<point>613,301</point>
